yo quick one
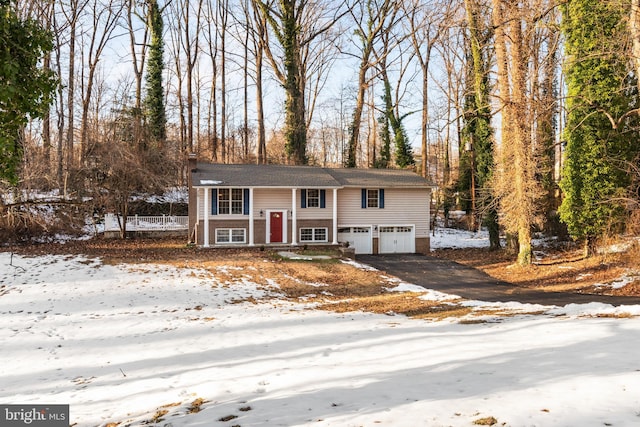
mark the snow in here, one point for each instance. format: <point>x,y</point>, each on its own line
<point>445,238</point>
<point>119,343</point>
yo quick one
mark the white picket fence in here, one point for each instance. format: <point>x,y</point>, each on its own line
<point>147,223</point>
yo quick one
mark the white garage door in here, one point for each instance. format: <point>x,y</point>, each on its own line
<point>397,240</point>
<point>358,238</point>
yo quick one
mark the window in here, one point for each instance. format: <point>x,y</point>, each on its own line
<point>372,198</point>
<point>313,198</point>
<point>230,235</point>
<point>230,201</point>
<point>313,235</point>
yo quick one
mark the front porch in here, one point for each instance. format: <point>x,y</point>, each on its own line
<point>267,218</point>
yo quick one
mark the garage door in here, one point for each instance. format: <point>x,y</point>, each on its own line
<point>397,240</point>
<point>358,238</point>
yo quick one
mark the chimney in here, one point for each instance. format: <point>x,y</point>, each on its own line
<point>192,162</point>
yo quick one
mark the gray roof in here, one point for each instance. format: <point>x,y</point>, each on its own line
<point>349,177</point>
<point>247,175</point>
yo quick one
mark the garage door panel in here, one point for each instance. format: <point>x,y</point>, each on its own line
<point>396,239</point>
<point>358,238</point>
<point>386,240</point>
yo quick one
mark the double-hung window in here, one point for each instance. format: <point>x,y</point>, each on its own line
<point>372,198</point>
<point>230,201</point>
<point>313,198</point>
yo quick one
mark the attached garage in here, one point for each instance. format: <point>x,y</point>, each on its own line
<point>397,239</point>
<point>359,238</point>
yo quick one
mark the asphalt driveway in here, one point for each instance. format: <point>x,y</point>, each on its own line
<point>470,283</point>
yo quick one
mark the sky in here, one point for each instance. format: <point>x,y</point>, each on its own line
<point>119,343</point>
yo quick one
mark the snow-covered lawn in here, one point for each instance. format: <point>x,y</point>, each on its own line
<point>444,238</point>
<point>127,343</point>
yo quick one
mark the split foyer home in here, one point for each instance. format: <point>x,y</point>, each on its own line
<point>374,210</point>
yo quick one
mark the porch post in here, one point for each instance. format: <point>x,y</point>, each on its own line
<point>335,216</point>
<point>207,207</point>
<point>294,219</point>
<point>251,241</point>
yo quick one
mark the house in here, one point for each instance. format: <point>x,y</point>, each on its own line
<point>375,210</point>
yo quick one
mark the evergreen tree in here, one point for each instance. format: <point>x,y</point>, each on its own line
<point>154,102</point>
<point>600,92</point>
<point>25,88</point>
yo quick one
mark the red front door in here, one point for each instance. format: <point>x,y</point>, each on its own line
<point>275,227</point>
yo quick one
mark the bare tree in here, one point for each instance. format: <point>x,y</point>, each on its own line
<point>105,17</point>
<point>188,14</point>
<point>371,18</point>
<point>427,21</point>
<point>176,35</point>
<point>211,37</point>
<point>71,14</point>
<point>259,40</point>
<point>223,22</point>
<point>296,24</point>
<point>138,31</point>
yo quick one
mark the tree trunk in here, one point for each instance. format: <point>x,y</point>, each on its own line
<point>357,113</point>
<point>71,93</point>
<point>223,13</point>
<point>262,145</point>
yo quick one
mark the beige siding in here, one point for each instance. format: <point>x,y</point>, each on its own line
<point>272,199</point>
<point>401,207</point>
<point>316,213</point>
<point>201,203</point>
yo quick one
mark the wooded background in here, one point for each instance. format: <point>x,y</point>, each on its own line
<point>523,112</point>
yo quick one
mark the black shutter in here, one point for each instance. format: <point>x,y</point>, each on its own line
<point>323,199</point>
<point>245,201</point>
<point>381,198</point>
<point>303,198</point>
<point>214,201</point>
<point>364,198</point>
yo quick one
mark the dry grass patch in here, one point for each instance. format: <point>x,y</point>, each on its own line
<point>405,303</point>
<point>486,421</point>
<point>294,279</point>
<point>196,406</point>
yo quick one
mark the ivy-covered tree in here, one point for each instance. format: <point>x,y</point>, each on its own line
<point>383,160</point>
<point>477,132</point>
<point>26,89</point>
<point>600,134</point>
<point>155,106</point>
<point>404,153</point>
<point>300,27</point>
